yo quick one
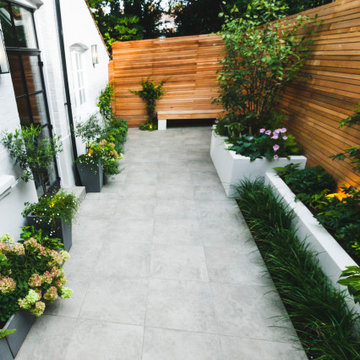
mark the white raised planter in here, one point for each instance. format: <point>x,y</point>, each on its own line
<point>233,168</point>
<point>333,259</point>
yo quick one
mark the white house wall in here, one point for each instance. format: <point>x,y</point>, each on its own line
<point>12,204</point>
<point>78,28</point>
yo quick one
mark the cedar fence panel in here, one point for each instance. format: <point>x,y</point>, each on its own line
<point>189,63</point>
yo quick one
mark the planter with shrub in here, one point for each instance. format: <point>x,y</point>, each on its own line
<point>53,214</point>
<point>233,167</point>
<point>31,276</point>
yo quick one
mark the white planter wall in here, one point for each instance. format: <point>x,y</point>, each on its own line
<point>233,168</point>
<point>333,259</point>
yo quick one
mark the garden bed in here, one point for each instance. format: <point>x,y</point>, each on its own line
<point>232,168</point>
<point>333,259</point>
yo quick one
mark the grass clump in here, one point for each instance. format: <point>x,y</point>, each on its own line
<point>324,323</point>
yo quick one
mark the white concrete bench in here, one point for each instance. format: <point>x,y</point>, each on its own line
<point>164,116</point>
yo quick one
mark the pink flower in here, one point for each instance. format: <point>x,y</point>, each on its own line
<point>285,137</point>
<point>275,136</point>
<point>276,157</point>
<point>216,121</point>
<point>262,131</point>
<point>251,137</point>
<point>276,147</point>
<point>283,130</point>
<point>268,132</point>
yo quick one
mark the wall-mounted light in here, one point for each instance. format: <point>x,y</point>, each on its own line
<point>94,54</point>
<point>4,64</point>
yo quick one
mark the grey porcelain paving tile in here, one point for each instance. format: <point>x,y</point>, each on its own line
<point>133,208</point>
<point>116,299</point>
<point>175,209</point>
<point>49,338</point>
<point>161,344</point>
<point>94,340</point>
<point>249,349</point>
<point>251,311</point>
<point>124,260</point>
<point>216,209</point>
<point>181,305</point>
<point>178,262</point>
<point>234,266</point>
<point>214,191</point>
<point>167,191</point>
<point>213,234</point>
<point>100,208</point>
<point>141,191</point>
<point>142,177</point>
<point>171,231</point>
<point>205,178</point>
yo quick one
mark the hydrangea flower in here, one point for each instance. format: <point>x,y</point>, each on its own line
<point>7,238</point>
<point>7,285</point>
<point>38,309</point>
<point>276,147</point>
<point>51,294</point>
<point>18,249</point>
<point>66,293</point>
<point>35,280</point>
<point>30,299</point>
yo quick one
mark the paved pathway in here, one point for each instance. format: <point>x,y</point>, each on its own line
<point>163,268</point>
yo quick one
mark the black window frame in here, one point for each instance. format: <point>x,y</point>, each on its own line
<point>20,52</point>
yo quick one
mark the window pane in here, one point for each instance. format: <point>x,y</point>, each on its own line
<point>24,25</point>
<point>32,73</point>
<point>16,74</point>
<point>24,113</point>
<point>6,24</point>
<point>37,104</point>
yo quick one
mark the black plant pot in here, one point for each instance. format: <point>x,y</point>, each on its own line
<point>91,176</point>
<point>62,230</point>
<point>5,352</point>
<point>22,321</point>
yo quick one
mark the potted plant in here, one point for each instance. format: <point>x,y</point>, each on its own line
<point>31,276</point>
<point>32,151</point>
<point>53,214</point>
<point>89,164</point>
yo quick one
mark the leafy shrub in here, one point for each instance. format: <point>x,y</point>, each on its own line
<point>340,214</point>
<point>104,102</point>
<point>90,130</point>
<point>319,312</point>
<point>259,62</point>
<point>32,151</point>
<point>150,93</point>
<point>351,278</point>
<point>31,276</point>
<point>50,208</point>
<point>306,182</point>
<point>271,145</point>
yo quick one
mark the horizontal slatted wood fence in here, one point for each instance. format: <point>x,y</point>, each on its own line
<point>333,91</point>
<point>188,63</point>
<point>317,104</point>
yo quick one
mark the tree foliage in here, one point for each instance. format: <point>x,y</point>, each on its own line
<point>194,17</point>
<point>259,62</point>
<point>126,20</point>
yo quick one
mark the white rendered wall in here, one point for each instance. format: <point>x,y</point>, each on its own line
<point>78,27</point>
<point>11,205</point>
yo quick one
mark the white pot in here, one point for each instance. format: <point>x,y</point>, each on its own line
<point>233,168</point>
<point>332,257</point>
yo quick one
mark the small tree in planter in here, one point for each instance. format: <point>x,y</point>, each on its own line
<point>259,62</point>
<point>53,214</point>
<point>32,151</point>
<point>150,93</point>
<point>89,164</point>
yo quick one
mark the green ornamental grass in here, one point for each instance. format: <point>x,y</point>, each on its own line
<point>324,323</point>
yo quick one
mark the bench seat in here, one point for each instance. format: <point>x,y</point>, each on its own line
<point>163,116</point>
